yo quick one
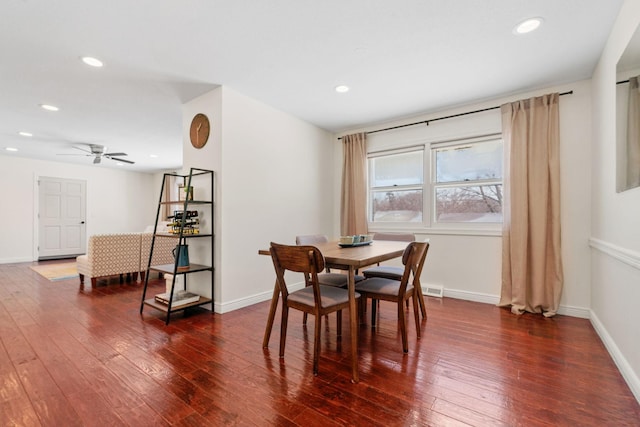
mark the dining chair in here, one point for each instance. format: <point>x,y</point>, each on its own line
<point>388,271</point>
<point>398,291</point>
<point>328,279</point>
<point>315,299</point>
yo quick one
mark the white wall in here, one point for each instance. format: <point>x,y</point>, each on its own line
<point>274,181</point>
<point>469,266</point>
<point>615,231</point>
<point>208,157</point>
<point>117,201</point>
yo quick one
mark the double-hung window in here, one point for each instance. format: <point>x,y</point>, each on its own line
<point>445,184</point>
<point>396,186</point>
<point>467,182</point>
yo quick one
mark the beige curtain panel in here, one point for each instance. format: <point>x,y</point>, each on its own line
<point>633,135</point>
<point>532,275</point>
<point>353,204</point>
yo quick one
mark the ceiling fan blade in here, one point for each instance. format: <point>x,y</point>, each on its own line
<point>115,154</point>
<point>82,149</point>
<point>122,160</point>
<point>97,160</point>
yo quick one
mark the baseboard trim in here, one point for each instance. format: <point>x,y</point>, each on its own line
<point>618,358</point>
<point>15,260</point>
<point>565,310</point>
<point>226,307</point>
<point>471,296</point>
<point>237,304</point>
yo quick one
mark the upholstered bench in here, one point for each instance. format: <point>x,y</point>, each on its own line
<point>162,251</point>
<point>110,255</point>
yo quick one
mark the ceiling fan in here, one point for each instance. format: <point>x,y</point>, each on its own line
<point>98,152</point>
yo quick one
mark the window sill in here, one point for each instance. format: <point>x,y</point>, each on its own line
<point>442,231</point>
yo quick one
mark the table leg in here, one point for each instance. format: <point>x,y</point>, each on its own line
<point>353,321</point>
<point>272,315</point>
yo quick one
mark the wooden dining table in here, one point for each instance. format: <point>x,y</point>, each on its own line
<point>350,259</point>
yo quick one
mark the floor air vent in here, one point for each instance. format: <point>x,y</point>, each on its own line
<point>434,291</point>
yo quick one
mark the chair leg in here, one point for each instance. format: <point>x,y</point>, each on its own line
<point>421,303</point>
<point>416,315</point>
<point>316,343</point>
<point>283,326</point>
<point>339,323</point>
<point>272,315</point>
<point>374,305</point>
<point>304,318</point>
<point>403,327</point>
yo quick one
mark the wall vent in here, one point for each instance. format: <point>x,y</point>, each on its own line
<point>434,291</point>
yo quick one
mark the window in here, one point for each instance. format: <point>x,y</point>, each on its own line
<point>438,183</point>
<point>396,186</point>
<point>468,182</point>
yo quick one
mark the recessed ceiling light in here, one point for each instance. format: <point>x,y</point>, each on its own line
<point>49,107</point>
<point>22,133</point>
<point>528,25</point>
<point>11,149</point>
<point>119,164</point>
<point>94,62</point>
<point>342,89</point>
<point>153,156</point>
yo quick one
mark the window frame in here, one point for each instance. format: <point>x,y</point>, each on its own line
<point>429,223</point>
<point>401,187</point>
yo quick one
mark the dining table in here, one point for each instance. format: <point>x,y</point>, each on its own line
<point>350,258</point>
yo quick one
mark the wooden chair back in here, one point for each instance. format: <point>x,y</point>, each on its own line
<point>311,239</point>
<point>305,259</point>
<point>418,258</point>
<point>413,259</point>
<point>400,237</point>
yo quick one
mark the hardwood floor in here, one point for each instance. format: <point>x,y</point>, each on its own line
<point>71,357</point>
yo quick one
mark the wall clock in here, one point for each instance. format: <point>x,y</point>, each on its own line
<point>199,132</point>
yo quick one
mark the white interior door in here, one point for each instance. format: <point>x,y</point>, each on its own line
<point>61,218</point>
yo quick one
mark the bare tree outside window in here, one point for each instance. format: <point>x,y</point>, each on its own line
<point>468,185</point>
<point>396,182</point>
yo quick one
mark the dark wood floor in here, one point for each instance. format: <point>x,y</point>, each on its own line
<point>71,357</point>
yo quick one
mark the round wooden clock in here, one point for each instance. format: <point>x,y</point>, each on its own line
<point>199,132</point>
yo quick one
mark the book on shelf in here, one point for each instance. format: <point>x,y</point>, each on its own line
<point>179,298</point>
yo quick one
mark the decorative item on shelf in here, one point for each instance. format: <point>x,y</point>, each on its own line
<point>169,282</point>
<point>191,223</point>
<point>182,254</point>
<point>179,298</point>
<point>185,193</point>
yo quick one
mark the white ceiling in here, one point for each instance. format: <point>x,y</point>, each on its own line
<point>399,58</point>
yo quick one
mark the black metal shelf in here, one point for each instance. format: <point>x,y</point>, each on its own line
<point>151,302</point>
<point>191,202</point>
<point>182,235</point>
<point>186,236</point>
<point>170,268</point>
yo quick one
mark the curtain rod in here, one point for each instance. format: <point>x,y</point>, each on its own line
<point>445,117</point>
<point>622,81</point>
